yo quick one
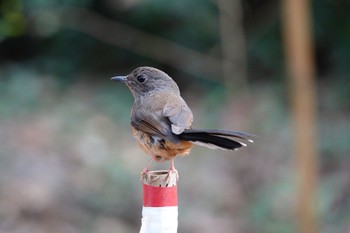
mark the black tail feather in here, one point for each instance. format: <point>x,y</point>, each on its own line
<point>216,138</point>
<point>226,133</point>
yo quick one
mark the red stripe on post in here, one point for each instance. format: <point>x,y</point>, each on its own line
<point>159,196</point>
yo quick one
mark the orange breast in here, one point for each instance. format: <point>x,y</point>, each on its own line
<point>159,148</point>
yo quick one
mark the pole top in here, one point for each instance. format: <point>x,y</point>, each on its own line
<point>160,178</point>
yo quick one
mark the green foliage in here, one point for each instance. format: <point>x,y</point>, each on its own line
<point>12,21</point>
<point>332,35</point>
<point>191,23</point>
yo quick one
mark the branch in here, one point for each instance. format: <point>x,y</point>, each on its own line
<point>138,41</point>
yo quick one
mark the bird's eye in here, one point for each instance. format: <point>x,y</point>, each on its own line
<point>141,78</point>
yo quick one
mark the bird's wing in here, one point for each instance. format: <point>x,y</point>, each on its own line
<point>180,116</point>
<point>152,124</point>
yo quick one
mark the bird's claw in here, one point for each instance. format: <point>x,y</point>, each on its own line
<point>143,173</point>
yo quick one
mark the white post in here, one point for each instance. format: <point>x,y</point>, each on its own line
<point>160,205</point>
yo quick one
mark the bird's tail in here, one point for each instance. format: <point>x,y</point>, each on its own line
<point>223,139</point>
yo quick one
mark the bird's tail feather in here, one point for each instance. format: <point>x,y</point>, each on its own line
<point>222,139</point>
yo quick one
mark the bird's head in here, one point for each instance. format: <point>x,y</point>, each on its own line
<point>145,80</point>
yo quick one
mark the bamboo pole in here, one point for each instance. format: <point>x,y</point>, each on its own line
<point>301,68</point>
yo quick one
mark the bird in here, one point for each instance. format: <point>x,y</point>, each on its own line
<point>161,121</point>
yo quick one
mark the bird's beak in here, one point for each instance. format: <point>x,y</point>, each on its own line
<point>119,79</point>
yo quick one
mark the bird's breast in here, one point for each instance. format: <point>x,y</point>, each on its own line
<point>160,148</point>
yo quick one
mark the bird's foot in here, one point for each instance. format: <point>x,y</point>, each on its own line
<point>172,170</point>
<point>143,173</point>
<point>146,169</point>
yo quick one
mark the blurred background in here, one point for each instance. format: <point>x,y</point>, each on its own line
<point>68,160</point>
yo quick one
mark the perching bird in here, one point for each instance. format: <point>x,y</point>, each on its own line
<point>161,120</point>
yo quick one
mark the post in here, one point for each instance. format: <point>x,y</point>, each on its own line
<point>160,206</point>
<point>301,68</point>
